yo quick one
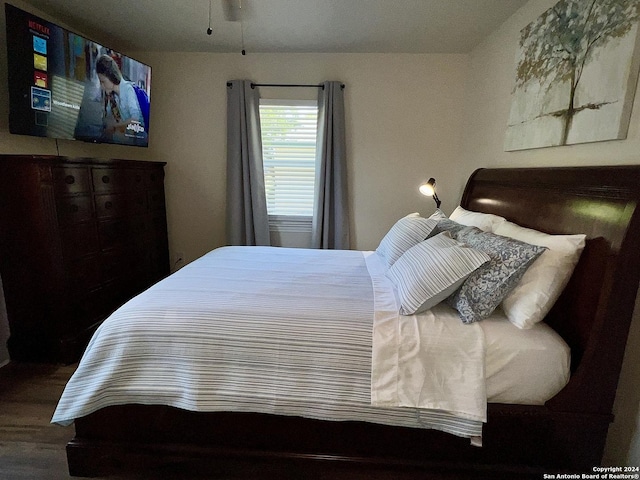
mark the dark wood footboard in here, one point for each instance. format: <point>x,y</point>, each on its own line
<point>519,442</point>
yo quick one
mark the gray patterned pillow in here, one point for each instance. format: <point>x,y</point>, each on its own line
<point>432,270</point>
<point>407,232</point>
<point>447,225</point>
<point>484,289</point>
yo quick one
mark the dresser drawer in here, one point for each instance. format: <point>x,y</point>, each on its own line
<point>69,180</point>
<point>91,307</point>
<point>74,209</point>
<point>84,273</point>
<point>141,228</point>
<point>159,227</point>
<point>120,204</point>
<point>158,262</point>
<point>114,265</point>
<point>155,199</point>
<point>114,233</point>
<point>154,178</point>
<point>79,240</point>
<point>132,231</point>
<point>117,180</point>
<point>116,293</point>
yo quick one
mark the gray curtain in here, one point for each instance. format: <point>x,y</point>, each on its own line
<point>247,219</point>
<point>331,217</point>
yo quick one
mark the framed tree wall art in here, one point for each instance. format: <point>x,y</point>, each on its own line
<point>576,74</point>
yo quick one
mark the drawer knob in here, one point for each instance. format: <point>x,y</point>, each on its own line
<point>108,205</point>
<point>106,179</point>
<point>69,179</point>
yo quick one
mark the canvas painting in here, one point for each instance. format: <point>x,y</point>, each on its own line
<point>576,74</point>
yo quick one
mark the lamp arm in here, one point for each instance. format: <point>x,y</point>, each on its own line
<point>437,200</point>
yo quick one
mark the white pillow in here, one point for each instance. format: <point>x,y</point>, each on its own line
<point>541,285</point>
<point>484,221</point>
<point>405,233</point>
<point>432,270</point>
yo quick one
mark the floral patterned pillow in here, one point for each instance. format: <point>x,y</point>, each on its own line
<point>484,289</point>
<point>447,225</point>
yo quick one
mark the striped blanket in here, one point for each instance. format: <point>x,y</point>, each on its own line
<point>259,329</point>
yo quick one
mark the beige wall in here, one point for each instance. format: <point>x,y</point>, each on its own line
<point>404,124</point>
<point>492,74</point>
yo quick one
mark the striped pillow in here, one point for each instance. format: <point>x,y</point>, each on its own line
<point>407,232</point>
<point>432,270</point>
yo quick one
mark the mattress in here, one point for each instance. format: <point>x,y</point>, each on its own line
<point>525,367</point>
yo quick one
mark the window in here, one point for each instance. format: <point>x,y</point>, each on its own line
<point>289,130</point>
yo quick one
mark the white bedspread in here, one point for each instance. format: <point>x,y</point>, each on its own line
<point>281,331</point>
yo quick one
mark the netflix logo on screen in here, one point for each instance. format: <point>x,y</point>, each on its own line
<point>36,27</point>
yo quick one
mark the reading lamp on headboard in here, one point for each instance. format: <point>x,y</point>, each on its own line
<point>429,189</point>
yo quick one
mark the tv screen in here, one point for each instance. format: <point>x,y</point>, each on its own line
<point>62,85</point>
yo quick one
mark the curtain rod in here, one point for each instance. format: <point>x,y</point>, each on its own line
<point>254,85</point>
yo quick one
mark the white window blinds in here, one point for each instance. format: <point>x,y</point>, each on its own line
<point>289,155</point>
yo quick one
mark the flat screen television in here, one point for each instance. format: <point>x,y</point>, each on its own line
<point>62,85</point>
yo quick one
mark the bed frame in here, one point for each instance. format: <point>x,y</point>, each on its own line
<point>567,434</point>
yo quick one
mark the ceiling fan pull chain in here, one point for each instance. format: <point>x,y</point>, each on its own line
<point>242,28</point>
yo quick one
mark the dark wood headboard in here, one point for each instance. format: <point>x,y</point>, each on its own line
<point>594,312</point>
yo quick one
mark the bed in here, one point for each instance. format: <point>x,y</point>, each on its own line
<point>514,435</point>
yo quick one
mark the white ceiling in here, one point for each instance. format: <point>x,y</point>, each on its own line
<point>357,26</point>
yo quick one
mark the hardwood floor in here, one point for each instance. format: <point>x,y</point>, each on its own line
<point>30,446</point>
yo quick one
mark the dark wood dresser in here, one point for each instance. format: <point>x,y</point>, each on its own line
<point>78,238</point>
